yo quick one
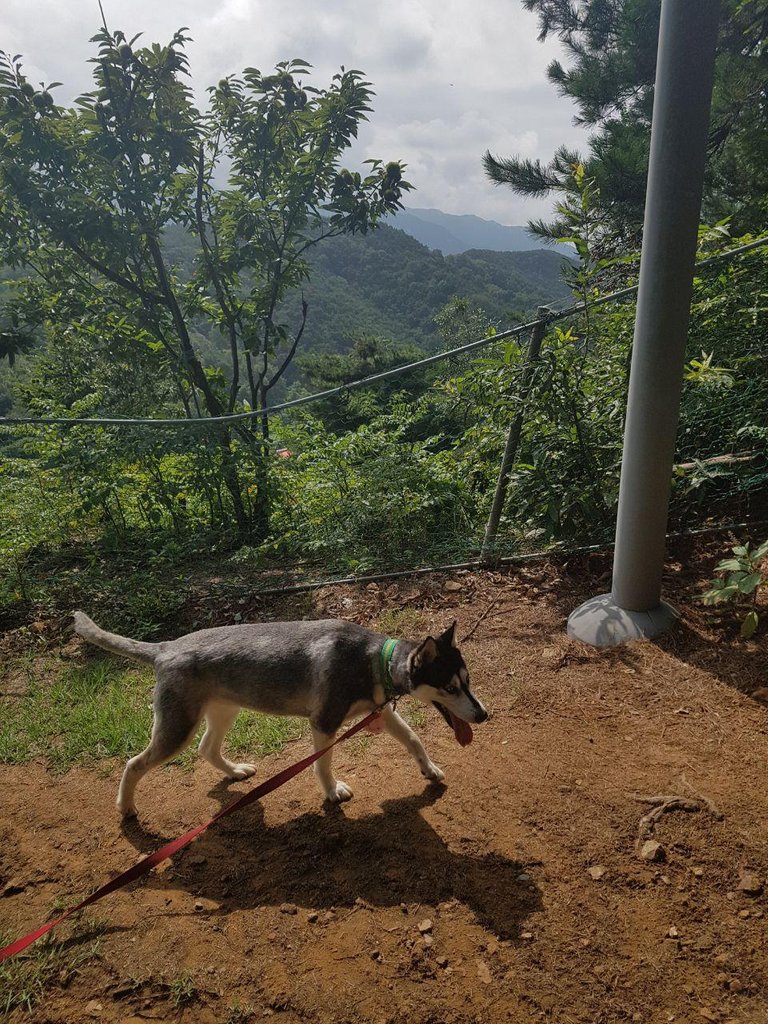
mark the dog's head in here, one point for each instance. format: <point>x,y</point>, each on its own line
<point>438,675</point>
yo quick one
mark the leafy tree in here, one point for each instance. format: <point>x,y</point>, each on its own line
<point>609,75</point>
<point>368,355</point>
<point>87,193</point>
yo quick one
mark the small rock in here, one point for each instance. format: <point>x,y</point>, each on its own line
<point>312,918</point>
<point>651,850</point>
<point>483,972</point>
<point>375,954</point>
<point>597,872</point>
<point>93,1008</point>
<point>698,872</point>
<point>523,879</point>
<point>425,926</point>
<point>452,586</point>
<point>526,936</point>
<point>404,908</point>
<point>427,940</point>
<point>327,917</point>
<point>744,914</point>
<point>722,979</point>
<point>197,861</point>
<point>442,961</point>
<point>723,958</point>
<point>673,933</point>
<point>199,906</point>
<point>736,985</point>
<point>750,884</point>
<point>287,908</point>
<point>708,1014</point>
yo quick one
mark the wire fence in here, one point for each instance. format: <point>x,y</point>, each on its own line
<point>400,470</point>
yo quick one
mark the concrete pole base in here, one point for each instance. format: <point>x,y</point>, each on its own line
<point>602,623</point>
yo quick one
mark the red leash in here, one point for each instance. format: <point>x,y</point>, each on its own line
<point>146,865</point>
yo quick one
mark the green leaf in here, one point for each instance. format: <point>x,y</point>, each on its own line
<point>731,565</point>
<point>749,625</point>
<point>750,583</point>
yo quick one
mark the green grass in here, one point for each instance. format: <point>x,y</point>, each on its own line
<point>84,715</point>
<point>239,1014</point>
<point>402,623</point>
<point>25,978</point>
<point>182,990</point>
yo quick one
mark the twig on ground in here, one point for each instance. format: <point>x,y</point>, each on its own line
<point>487,611</point>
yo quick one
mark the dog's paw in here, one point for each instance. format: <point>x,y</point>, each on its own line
<point>433,773</point>
<point>127,810</point>
<point>242,771</point>
<point>338,793</point>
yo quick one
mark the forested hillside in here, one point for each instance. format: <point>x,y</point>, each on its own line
<point>388,284</point>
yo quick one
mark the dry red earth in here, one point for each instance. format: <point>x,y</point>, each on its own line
<point>522,872</point>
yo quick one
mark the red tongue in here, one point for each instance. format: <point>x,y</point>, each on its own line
<point>461,730</point>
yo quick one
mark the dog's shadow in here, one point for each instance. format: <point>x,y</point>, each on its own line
<point>319,861</point>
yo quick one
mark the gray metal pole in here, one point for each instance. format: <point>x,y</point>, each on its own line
<point>683,92</point>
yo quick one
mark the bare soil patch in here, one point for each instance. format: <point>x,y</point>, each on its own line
<point>514,893</point>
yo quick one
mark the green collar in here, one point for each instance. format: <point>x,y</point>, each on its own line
<point>385,674</point>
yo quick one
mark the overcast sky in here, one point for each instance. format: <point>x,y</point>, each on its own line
<point>452,78</point>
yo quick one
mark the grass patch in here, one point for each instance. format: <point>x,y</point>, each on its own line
<point>401,623</point>
<point>24,979</point>
<point>86,714</point>
<point>82,715</point>
<point>182,990</point>
<point>239,1014</point>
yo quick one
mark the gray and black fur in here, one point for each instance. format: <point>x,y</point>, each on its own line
<point>326,670</point>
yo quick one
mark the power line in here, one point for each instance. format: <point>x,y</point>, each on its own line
<point>473,346</point>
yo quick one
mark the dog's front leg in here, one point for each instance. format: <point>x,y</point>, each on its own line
<point>396,727</point>
<point>335,791</point>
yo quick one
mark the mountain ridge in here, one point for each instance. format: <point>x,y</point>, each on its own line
<point>453,234</point>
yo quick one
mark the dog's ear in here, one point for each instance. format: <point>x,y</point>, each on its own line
<point>424,654</point>
<point>448,638</point>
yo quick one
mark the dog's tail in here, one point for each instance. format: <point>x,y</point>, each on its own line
<point>136,649</point>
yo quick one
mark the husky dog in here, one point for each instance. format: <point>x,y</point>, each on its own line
<point>327,671</point>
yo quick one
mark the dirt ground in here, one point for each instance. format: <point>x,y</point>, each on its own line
<point>513,893</point>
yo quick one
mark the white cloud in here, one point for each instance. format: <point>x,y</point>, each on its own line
<point>451,79</point>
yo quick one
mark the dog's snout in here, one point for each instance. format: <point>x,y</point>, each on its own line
<point>481,715</point>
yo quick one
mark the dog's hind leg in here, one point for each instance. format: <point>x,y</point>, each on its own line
<point>219,719</point>
<point>396,727</point>
<point>335,791</point>
<point>172,730</point>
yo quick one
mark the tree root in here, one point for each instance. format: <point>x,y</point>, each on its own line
<point>661,804</point>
